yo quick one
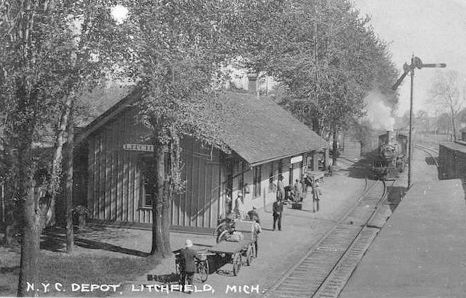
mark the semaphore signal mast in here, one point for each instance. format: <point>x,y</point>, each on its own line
<point>415,63</point>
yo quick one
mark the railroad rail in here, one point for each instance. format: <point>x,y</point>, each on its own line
<point>432,152</point>
<point>325,269</point>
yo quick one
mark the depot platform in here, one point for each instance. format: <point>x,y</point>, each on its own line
<point>421,251</point>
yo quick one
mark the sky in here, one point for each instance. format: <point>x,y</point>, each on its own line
<point>433,30</point>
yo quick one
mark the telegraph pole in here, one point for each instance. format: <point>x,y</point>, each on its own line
<point>410,140</point>
<point>415,63</point>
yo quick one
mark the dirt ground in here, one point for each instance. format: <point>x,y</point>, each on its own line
<point>278,250</point>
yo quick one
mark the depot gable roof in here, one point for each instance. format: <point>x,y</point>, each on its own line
<point>257,129</point>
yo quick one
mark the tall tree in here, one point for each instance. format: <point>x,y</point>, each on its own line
<point>178,50</point>
<point>92,56</point>
<point>444,123</point>
<point>461,117</point>
<point>421,121</point>
<point>42,68</point>
<point>447,96</point>
<point>327,57</point>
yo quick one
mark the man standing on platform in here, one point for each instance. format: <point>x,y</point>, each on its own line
<point>316,194</point>
<point>298,191</point>
<point>277,213</point>
<point>280,188</point>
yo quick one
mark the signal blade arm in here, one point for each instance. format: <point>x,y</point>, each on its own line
<point>398,82</point>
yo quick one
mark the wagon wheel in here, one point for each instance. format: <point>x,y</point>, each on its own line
<point>178,268</point>
<point>222,236</point>
<point>236,263</point>
<point>253,251</point>
<point>219,229</point>
<point>249,255</point>
<point>177,265</point>
<point>203,270</point>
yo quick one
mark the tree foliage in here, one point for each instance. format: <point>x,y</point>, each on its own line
<point>448,96</point>
<point>176,53</point>
<point>327,57</point>
<point>50,51</point>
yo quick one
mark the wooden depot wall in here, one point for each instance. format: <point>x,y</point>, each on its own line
<point>110,170</point>
<point>115,192</point>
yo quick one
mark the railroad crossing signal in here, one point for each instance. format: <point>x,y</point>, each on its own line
<point>416,62</point>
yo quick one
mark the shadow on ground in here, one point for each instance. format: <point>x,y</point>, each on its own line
<point>359,169</point>
<point>431,161</point>
<point>55,240</point>
<point>14,269</point>
<point>395,194</point>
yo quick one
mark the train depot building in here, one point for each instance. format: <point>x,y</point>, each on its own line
<point>265,141</point>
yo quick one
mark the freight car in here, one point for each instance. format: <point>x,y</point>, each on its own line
<point>391,156</point>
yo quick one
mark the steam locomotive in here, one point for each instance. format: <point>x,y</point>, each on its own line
<point>391,156</point>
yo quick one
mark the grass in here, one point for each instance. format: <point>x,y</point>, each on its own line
<point>79,269</point>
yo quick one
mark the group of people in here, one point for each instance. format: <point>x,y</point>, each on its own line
<point>298,193</point>
<point>189,255</point>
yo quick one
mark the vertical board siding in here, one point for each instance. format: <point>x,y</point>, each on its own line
<point>137,188</point>
<point>120,168</point>
<point>101,182</point>
<point>93,172</point>
<point>125,188</point>
<point>125,206</point>
<point>113,175</point>
<point>114,178</point>
<point>108,171</point>
<point>189,190</point>
<point>132,188</point>
<point>209,194</point>
<point>214,191</point>
<point>184,196</point>
<point>198,205</point>
<point>201,186</point>
<point>91,203</point>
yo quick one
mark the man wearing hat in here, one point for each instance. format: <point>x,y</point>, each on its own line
<point>239,202</point>
<point>188,264</point>
<point>316,194</point>
<point>277,209</point>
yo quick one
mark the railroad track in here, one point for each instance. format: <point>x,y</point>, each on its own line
<point>325,269</point>
<point>432,152</point>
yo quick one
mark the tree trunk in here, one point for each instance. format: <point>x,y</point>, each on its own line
<point>453,124</point>
<point>30,244</point>
<point>58,157</point>
<point>19,136</point>
<point>166,218</point>
<point>160,238</point>
<point>316,126</point>
<point>335,146</point>
<point>69,188</point>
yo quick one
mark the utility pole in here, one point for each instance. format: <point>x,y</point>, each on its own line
<point>410,154</point>
<point>415,63</point>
